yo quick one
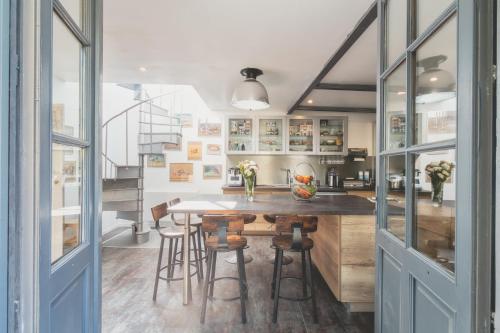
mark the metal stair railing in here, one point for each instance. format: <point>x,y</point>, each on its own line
<point>150,117</point>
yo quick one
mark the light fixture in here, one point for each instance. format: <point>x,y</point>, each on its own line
<point>434,84</point>
<point>401,93</point>
<point>143,69</point>
<point>310,101</point>
<point>250,94</point>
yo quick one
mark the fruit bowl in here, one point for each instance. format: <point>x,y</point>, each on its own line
<point>304,182</point>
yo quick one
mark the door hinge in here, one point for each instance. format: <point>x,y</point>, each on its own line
<point>494,72</point>
<point>17,316</point>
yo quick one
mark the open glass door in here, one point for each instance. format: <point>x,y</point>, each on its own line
<point>425,234</point>
<point>69,277</point>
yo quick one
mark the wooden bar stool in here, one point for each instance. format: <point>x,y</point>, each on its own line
<point>171,233</point>
<point>218,227</point>
<point>247,219</point>
<point>271,218</point>
<point>293,237</point>
<point>200,235</point>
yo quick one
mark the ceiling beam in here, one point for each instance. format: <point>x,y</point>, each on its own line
<point>335,109</point>
<point>349,87</point>
<point>360,28</point>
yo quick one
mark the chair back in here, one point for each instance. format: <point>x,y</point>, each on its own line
<point>171,203</point>
<point>287,224</point>
<point>159,212</point>
<point>220,225</point>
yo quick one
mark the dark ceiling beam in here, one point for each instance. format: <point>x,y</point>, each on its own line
<point>347,87</point>
<point>334,109</point>
<point>360,28</point>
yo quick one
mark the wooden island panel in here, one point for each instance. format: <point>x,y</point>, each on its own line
<point>344,253</point>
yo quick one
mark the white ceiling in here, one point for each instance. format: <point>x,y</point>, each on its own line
<point>206,43</point>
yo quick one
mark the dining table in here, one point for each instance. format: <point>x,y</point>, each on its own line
<point>205,204</point>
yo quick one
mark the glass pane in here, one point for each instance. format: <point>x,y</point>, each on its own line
<point>240,135</point>
<point>395,30</point>
<point>428,11</point>
<point>395,199</point>
<point>66,199</point>
<point>66,80</point>
<point>331,133</point>
<point>74,8</point>
<point>395,108</point>
<point>300,133</point>
<point>270,135</point>
<point>436,86</point>
<point>435,206</point>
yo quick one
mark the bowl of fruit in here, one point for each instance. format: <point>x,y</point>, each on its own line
<point>304,182</point>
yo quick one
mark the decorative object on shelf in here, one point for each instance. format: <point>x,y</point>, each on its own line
<point>248,170</point>
<point>213,149</point>
<point>156,161</point>
<point>250,94</point>
<point>439,172</point>
<point>212,171</point>
<point>209,129</point>
<point>194,150</point>
<point>304,186</point>
<point>181,172</point>
<point>186,119</point>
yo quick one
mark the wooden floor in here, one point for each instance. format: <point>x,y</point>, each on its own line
<point>128,279</point>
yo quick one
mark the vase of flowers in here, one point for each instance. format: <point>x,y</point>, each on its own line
<point>439,172</point>
<point>248,170</point>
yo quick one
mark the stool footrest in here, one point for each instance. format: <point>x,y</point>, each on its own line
<point>227,299</point>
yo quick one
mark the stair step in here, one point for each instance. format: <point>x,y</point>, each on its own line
<point>119,183</point>
<point>128,171</point>
<point>130,216</point>
<point>153,148</point>
<point>120,194</point>
<point>122,205</point>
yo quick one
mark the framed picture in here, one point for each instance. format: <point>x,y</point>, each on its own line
<point>194,150</point>
<point>156,161</point>
<point>212,171</point>
<point>213,149</point>
<point>181,172</point>
<point>172,146</point>
<point>209,129</point>
<point>186,119</point>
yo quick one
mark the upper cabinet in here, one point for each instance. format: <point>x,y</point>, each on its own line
<point>270,135</point>
<point>332,136</point>
<point>301,136</point>
<point>240,135</point>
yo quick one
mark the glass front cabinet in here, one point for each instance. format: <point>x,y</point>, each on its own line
<point>332,136</point>
<point>270,135</point>
<point>300,136</point>
<point>240,135</point>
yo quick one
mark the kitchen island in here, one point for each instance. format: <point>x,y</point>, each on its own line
<point>344,250</point>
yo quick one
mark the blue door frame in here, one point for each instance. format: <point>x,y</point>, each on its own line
<point>4,155</point>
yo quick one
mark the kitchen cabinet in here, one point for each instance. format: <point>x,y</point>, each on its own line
<point>300,136</point>
<point>270,135</point>
<point>332,136</point>
<point>240,135</point>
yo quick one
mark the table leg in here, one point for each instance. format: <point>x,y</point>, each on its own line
<point>186,295</point>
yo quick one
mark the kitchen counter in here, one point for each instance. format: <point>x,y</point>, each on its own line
<point>284,188</point>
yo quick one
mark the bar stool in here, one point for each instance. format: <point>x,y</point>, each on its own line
<point>294,238</point>
<point>199,235</point>
<point>247,219</point>
<point>218,227</point>
<point>171,233</point>
<point>271,218</point>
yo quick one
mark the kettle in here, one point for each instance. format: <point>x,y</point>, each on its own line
<point>331,178</point>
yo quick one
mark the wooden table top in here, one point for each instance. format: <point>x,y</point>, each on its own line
<point>274,204</point>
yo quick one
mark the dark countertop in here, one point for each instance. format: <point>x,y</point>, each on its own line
<point>274,204</point>
<point>281,188</point>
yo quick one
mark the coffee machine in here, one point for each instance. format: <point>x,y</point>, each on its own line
<point>332,180</point>
<point>234,177</point>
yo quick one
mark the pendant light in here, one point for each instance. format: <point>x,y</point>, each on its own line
<point>250,94</point>
<point>434,84</point>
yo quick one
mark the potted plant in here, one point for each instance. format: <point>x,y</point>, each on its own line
<point>248,170</point>
<point>439,172</point>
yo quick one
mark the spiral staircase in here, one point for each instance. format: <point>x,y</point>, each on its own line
<point>123,169</point>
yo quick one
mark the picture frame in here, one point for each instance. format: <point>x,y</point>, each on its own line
<point>206,129</point>
<point>181,172</point>
<point>194,151</point>
<point>156,161</point>
<point>186,119</point>
<point>212,171</point>
<point>214,149</point>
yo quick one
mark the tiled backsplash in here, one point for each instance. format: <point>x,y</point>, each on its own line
<point>270,166</point>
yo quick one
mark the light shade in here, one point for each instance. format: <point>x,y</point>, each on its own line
<point>250,94</point>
